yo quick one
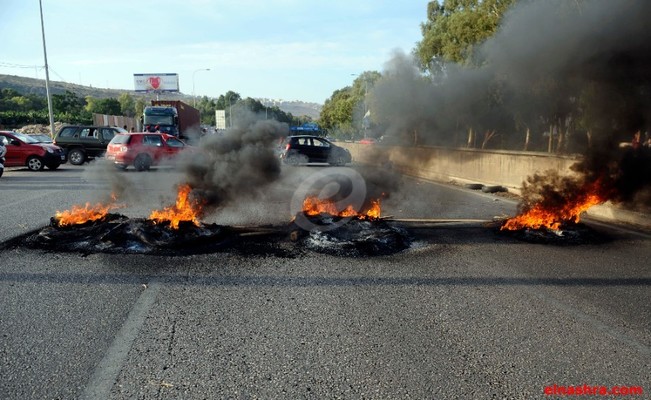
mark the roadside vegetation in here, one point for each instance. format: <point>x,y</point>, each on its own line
<point>451,34</point>
<point>17,110</point>
<point>509,74</point>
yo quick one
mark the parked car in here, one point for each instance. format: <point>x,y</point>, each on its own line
<point>24,150</point>
<point>143,149</point>
<point>83,143</point>
<point>302,149</point>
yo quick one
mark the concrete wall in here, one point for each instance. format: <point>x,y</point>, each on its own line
<point>115,120</point>
<point>490,167</point>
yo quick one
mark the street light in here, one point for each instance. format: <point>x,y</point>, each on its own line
<point>194,98</point>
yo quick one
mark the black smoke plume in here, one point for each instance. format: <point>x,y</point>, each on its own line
<point>578,72</point>
<point>236,165</point>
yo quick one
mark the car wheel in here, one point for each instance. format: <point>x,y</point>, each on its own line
<point>142,162</point>
<point>293,159</point>
<point>76,157</point>
<point>53,166</point>
<point>35,163</point>
<point>1,171</point>
<point>337,159</point>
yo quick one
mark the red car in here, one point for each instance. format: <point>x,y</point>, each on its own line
<point>143,149</point>
<point>24,150</point>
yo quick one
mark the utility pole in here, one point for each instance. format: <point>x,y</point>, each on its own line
<point>47,75</point>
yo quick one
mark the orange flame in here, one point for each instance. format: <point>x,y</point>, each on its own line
<point>78,215</point>
<point>184,210</point>
<point>313,206</point>
<point>552,218</point>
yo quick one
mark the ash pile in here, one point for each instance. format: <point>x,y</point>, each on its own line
<point>349,236</point>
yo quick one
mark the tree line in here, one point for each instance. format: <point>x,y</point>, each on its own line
<point>17,110</point>
<point>451,34</point>
<point>555,76</point>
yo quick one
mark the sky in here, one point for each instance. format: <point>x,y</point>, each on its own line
<point>278,49</point>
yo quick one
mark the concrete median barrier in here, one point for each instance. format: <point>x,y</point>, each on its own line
<point>490,168</point>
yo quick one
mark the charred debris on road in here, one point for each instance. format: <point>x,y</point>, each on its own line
<point>332,235</point>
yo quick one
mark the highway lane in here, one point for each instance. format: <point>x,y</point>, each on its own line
<point>28,199</point>
<point>465,313</point>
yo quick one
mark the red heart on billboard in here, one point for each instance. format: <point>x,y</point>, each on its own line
<point>154,82</point>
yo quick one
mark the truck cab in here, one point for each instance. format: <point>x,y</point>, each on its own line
<point>162,119</point>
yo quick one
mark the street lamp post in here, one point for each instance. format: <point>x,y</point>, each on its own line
<point>194,97</point>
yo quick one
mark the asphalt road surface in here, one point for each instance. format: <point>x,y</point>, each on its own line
<point>466,312</point>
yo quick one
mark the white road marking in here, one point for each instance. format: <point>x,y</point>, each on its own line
<point>101,382</point>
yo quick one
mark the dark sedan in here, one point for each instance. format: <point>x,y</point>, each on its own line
<point>304,149</point>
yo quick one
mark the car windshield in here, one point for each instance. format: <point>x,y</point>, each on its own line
<point>25,138</point>
<point>158,120</point>
<point>172,142</point>
<point>41,138</point>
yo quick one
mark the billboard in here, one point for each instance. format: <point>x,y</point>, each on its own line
<point>156,82</point>
<point>220,119</point>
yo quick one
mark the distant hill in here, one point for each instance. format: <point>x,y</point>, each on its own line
<point>296,108</point>
<point>26,85</point>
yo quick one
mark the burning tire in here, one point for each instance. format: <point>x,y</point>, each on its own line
<point>117,234</point>
<point>354,238</point>
<point>568,234</point>
<point>142,162</point>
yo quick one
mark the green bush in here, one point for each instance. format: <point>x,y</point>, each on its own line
<point>18,119</point>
